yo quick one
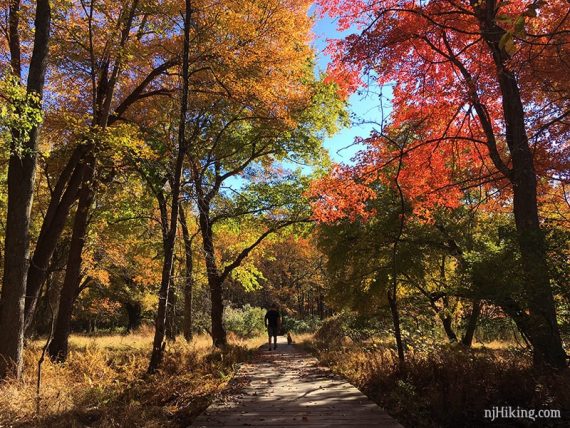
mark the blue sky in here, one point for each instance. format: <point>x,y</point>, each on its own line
<point>362,107</point>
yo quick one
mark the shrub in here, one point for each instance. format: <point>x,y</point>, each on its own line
<point>246,321</point>
<point>334,331</point>
<point>298,326</point>
<point>450,386</point>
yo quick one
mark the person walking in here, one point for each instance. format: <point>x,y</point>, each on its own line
<point>273,322</point>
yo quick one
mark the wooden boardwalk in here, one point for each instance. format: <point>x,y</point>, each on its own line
<point>286,388</point>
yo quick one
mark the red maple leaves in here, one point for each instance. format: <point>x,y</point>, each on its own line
<point>445,81</point>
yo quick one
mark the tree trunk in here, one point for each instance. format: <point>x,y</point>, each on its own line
<point>64,195</point>
<point>171,315</point>
<point>446,320</point>
<point>397,331</point>
<point>188,324</point>
<point>219,337</point>
<point>160,321</point>
<point>14,38</point>
<point>134,314</point>
<point>59,345</point>
<point>472,323</point>
<point>542,328</point>
<point>188,278</point>
<point>21,178</point>
<point>158,342</point>
<point>52,227</point>
<point>393,292</point>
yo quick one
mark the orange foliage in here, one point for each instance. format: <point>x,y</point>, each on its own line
<point>441,68</point>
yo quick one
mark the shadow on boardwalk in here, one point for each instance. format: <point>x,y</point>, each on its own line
<point>287,388</point>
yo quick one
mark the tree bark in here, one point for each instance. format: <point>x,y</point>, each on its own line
<point>393,291</point>
<point>397,331</point>
<point>171,313</point>
<point>59,345</point>
<point>446,318</point>
<point>472,323</point>
<point>134,314</point>
<point>448,328</point>
<point>158,342</point>
<point>21,179</point>
<point>542,327</point>
<point>187,325</point>
<point>219,336</point>
<point>14,38</point>
<point>51,230</point>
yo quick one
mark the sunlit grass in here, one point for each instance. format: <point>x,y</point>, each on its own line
<point>104,379</point>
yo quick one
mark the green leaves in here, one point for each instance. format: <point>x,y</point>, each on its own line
<point>517,30</point>
<point>516,25</point>
<point>507,44</point>
<point>249,276</point>
<point>20,112</point>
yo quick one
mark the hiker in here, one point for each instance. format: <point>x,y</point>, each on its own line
<point>273,322</point>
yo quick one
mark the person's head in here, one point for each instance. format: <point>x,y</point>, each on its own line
<point>273,305</point>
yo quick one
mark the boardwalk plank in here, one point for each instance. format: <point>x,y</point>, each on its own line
<point>287,388</point>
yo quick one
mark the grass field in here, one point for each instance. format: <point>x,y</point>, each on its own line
<point>103,383</point>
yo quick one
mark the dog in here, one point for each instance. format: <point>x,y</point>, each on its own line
<point>289,339</point>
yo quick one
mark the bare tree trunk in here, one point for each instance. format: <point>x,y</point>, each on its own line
<point>472,323</point>
<point>59,345</point>
<point>171,313</point>
<point>21,179</point>
<point>393,302</point>
<point>448,328</point>
<point>134,314</point>
<point>393,292</point>
<point>188,278</point>
<point>446,318</point>
<point>219,336</point>
<point>158,342</point>
<point>62,199</point>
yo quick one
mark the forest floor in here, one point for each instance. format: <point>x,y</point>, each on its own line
<point>104,383</point>
<point>286,388</point>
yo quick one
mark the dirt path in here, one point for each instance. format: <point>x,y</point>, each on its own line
<point>287,388</point>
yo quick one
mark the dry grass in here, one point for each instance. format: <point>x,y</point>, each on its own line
<point>496,344</point>
<point>302,338</point>
<point>103,383</point>
<point>448,385</point>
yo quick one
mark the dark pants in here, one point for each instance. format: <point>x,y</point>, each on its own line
<point>272,330</point>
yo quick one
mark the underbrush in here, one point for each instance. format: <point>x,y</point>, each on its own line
<point>449,385</point>
<point>104,383</point>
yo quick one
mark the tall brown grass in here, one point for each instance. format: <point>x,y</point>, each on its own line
<point>104,383</point>
<point>449,385</point>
